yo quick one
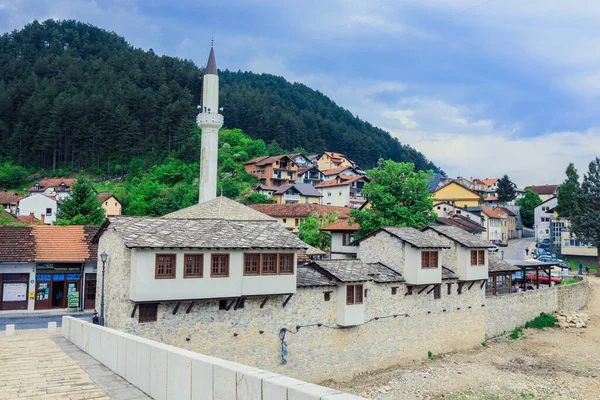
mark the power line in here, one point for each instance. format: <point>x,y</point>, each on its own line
<point>458,13</point>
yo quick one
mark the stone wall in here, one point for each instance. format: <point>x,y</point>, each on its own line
<point>505,313</point>
<point>385,248</point>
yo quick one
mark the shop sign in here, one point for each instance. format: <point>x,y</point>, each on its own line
<point>45,266</point>
<point>43,291</point>
<point>73,277</point>
<point>58,277</point>
<point>43,277</point>
<point>14,292</point>
<point>73,298</point>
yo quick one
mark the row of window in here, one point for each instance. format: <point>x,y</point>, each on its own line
<point>429,259</point>
<point>477,257</point>
<point>254,264</point>
<point>576,243</point>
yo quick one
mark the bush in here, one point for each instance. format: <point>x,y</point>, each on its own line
<point>430,355</point>
<point>517,333</point>
<point>541,322</point>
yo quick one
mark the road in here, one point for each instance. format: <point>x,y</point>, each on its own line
<point>36,321</point>
<point>516,248</point>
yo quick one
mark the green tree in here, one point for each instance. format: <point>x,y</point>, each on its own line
<point>82,208</point>
<point>398,196</point>
<point>526,204</point>
<point>258,198</point>
<point>310,231</point>
<point>585,220</point>
<point>506,190</point>
<point>12,176</point>
<point>567,193</point>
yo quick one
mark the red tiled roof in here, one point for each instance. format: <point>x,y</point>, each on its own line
<point>47,182</point>
<point>492,212</point>
<point>335,171</point>
<point>545,189</point>
<point>342,225</point>
<point>29,219</point>
<point>9,198</point>
<point>463,223</point>
<point>299,210</point>
<point>262,161</point>
<point>488,181</point>
<point>341,180</point>
<point>491,199</point>
<point>45,243</point>
<point>507,211</point>
<point>102,197</point>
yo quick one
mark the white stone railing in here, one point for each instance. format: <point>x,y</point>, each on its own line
<point>168,372</point>
<point>209,118</point>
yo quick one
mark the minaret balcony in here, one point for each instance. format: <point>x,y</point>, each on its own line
<point>210,119</point>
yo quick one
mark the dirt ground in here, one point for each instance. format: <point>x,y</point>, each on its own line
<point>550,364</point>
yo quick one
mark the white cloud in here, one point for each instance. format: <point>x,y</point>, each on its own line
<point>404,116</point>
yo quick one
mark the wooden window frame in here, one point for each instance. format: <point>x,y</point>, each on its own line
<point>187,275</point>
<point>262,260</point>
<point>174,264</point>
<point>476,256</point>
<point>347,238</point>
<point>291,271</point>
<point>258,265</point>
<point>394,290</point>
<point>357,296</point>
<point>212,260</point>
<point>428,255</point>
<point>147,312</point>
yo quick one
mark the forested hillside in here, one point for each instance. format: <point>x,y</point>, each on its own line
<point>73,96</point>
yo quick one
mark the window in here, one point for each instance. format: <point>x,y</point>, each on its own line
<point>429,259</point>
<point>106,204</point>
<point>437,292</point>
<point>449,289</point>
<point>327,296</point>
<point>220,265</point>
<point>284,220</point>
<point>286,263</point>
<point>165,266</point>
<point>477,257</point>
<point>354,294</point>
<point>48,212</point>
<point>394,290</point>
<point>251,264</point>
<point>194,265</point>
<point>328,194</point>
<point>340,193</point>
<point>347,238</point>
<point>115,203</point>
<point>147,312</point>
<point>269,264</point>
<point>296,222</point>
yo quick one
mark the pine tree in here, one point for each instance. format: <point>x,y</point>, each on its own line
<point>585,220</point>
<point>82,208</point>
<point>567,192</point>
<point>506,190</point>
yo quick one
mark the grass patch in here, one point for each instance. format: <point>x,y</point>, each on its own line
<point>569,281</point>
<point>430,355</point>
<point>541,322</point>
<point>574,265</point>
<point>516,333</point>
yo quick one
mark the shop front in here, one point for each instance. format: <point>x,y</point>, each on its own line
<point>13,291</point>
<point>58,286</point>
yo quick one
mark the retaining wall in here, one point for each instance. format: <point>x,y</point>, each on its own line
<point>167,372</point>
<point>505,313</point>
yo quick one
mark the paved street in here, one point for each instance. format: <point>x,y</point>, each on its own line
<point>35,321</point>
<point>516,248</point>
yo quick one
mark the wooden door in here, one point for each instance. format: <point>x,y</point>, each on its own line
<point>89,302</point>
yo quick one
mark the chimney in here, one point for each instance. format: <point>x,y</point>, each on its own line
<point>43,219</point>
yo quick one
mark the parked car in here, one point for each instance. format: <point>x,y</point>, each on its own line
<point>493,249</point>
<point>542,245</point>
<point>560,262</point>
<point>547,241</point>
<point>539,253</point>
<point>543,278</point>
<point>503,243</point>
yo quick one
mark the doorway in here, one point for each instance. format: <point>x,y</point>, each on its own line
<point>58,294</point>
<point>90,292</point>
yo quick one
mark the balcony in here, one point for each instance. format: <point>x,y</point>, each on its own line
<point>209,119</point>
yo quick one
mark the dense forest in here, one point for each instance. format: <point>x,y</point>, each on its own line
<point>73,96</point>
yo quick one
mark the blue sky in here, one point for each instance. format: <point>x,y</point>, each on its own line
<point>482,88</point>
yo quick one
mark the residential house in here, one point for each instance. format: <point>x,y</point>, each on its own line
<point>456,194</point>
<point>301,160</point>
<point>21,219</point>
<point>310,175</point>
<point>217,251</point>
<point>336,172</point>
<point>448,210</point>
<point>297,193</point>
<point>109,204</point>
<point>342,235</point>
<point>546,192</point>
<point>543,215</point>
<point>273,171</point>
<point>344,191</point>
<point>511,223</point>
<point>292,215</point>
<point>571,246</point>
<point>46,267</point>
<point>330,160</point>
<point>42,206</point>
<point>59,188</point>
<point>9,202</point>
<point>464,223</point>
<point>459,179</point>
<point>492,222</point>
<point>488,187</point>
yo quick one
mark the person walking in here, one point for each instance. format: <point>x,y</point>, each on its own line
<point>580,269</point>
<point>527,251</point>
<point>587,270</point>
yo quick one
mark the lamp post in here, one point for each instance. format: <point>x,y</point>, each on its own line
<point>103,257</point>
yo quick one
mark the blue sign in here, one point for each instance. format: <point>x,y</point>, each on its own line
<point>73,277</point>
<point>32,281</point>
<point>58,277</point>
<point>43,277</point>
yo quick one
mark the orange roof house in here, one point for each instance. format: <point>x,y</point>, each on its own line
<point>59,185</point>
<point>273,171</point>
<point>343,191</point>
<point>329,160</point>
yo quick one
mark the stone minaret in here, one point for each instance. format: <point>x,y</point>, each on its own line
<point>209,120</point>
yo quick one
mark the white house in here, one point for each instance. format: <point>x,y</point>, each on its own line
<point>344,191</point>
<point>543,214</point>
<point>43,207</point>
<point>492,222</point>
<point>342,236</point>
<point>59,188</point>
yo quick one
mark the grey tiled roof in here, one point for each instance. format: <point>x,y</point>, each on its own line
<point>356,271</point>
<point>307,276</point>
<point>495,264</point>
<point>461,236</point>
<point>220,208</point>
<point>434,182</point>
<point>210,233</point>
<point>412,236</point>
<point>447,273</point>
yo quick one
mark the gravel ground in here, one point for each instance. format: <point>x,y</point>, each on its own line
<point>550,364</point>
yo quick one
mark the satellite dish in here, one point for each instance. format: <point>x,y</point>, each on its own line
<point>221,109</point>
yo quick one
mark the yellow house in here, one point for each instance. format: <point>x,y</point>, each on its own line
<point>570,245</point>
<point>457,195</point>
<point>297,193</point>
<point>109,204</point>
<point>330,160</point>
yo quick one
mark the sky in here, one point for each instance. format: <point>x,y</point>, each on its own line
<point>482,87</point>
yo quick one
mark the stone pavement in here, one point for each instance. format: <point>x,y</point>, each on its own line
<point>38,366</point>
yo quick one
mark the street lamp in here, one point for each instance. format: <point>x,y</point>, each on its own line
<point>501,252</point>
<point>103,257</point>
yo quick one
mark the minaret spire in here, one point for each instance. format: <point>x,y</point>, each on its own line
<point>210,121</point>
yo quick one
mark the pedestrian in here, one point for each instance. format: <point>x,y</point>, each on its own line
<point>580,269</point>
<point>587,270</point>
<point>527,251</point>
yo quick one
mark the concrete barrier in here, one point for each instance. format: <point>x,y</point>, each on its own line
<point>10,330</point>
<point>168,372</point>
<point>51,328</point>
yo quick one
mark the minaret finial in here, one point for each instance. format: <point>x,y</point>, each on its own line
<point>212,42</point>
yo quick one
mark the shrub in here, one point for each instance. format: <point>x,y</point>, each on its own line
<point>541,322</point>
<point>517,333</point>
<point>430,355</point>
